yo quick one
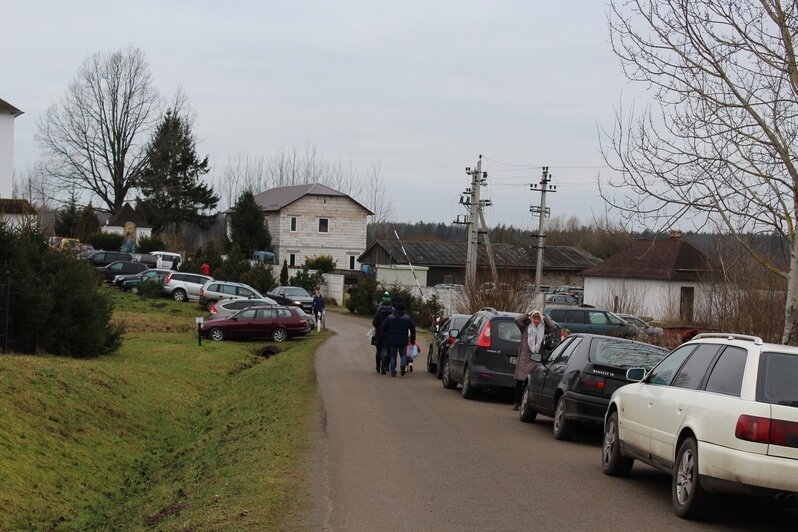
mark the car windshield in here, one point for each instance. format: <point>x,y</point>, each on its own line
<point>296,292</point>
<point>621,354</point>
<point>778,373</point>
<point>635,321</point>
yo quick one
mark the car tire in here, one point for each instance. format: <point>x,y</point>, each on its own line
<point>468,391</point>
<point>526,413</point>
<point>613,463</point>
<point>446,378</point>
<point>279,335</point>
<point>179,295</point>
<point>216,334</point>
<point>430,366</point>
<point>439,368</point>
<point>562,428</point>
<point>688,497</point>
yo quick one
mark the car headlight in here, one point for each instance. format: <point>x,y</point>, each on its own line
<point>297,303</point>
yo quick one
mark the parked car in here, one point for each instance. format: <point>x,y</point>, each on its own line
<point>484,354</point>
<point>101,257</point>
<point>644,326</point>
<point>130,283</point>
<point>182,286</point>
<point>591,321</point>
<point>214,291</point>
<point>441,341</point>
<point>228,307</point>
<point>278,323</point>
<point>292,295</point>
<point>167,258</point>
<point>719,414</point>
<point>561,299</point>
<point>575,384</point>
<point>120,268</point>
<point>576,291</point>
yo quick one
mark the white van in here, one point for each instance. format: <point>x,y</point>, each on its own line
<point>167,258</point>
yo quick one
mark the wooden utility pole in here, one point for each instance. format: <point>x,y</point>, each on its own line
<point>543,211</point>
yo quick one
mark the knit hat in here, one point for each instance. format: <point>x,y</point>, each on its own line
<point>386,298</point>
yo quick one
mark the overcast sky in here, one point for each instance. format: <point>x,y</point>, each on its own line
<point>423,88</point>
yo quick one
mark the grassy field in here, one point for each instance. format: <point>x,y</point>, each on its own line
<point>164,434</point>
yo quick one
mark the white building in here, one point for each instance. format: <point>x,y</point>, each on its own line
<point>660,279</point>
<point>7,115</point>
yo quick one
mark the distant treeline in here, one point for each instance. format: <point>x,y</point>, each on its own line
<point>599,241</point>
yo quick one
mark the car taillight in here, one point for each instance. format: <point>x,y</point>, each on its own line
<point>168,278</point>
<point>592,383</point>
<point>450,340</point>
<point>764,430</point>
<point>213,310</point>
<point>484,336</point>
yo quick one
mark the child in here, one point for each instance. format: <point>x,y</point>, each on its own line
<point>412,352</point>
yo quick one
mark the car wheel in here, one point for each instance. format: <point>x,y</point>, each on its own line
<point>689,498</point>
<point>216,334</point>
<point>446,378</point>
<point>468,391</point>
<point>439,368</point>
<point>612,461</point>
<point>525,411</point>
<point>430,366</point>
<point>279,335</point>
<point>562,427</point>
<point>179,295</point>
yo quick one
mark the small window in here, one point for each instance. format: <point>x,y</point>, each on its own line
<point>284,313</point>
<point>266,313</point>
<point>292,259</point>
<point>324,225</point>
<point>598,318</point>
<point>228,289</point>
<point>245,292</point>
<point>351,262</point>
<point>562,356</point>
<point>693,371</point>
<point>294,223</point>
<point>247,314</point>
<point>664,371</point>
<point>574,316</point>
<point>727,375</point>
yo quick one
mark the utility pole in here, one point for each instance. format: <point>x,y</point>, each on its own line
<point>543,187</point>
<point>474,209</point>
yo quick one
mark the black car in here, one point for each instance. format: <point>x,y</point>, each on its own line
<point>484,354</point>
<point>104,258</point>
<point>121,267</point>
<point>442,341</point>
<point>130,283</point>
<point>575,384</point>
<point>292,295</point>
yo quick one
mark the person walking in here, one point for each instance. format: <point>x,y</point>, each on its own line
<point>205,268</point>
<point>158,262</point>
<point>318,308</point>
<point>175,263</point>
<point>534,326</point>
<point>383,311</point>
<point>400,331</point>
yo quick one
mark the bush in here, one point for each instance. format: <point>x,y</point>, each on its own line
<point>55,304</point>
<point>150,243</point>
<point>322,263</point>
<point>260,277</point>
<point>150,289</point>
<point>284,274</point>
<point>107,241</point>
<point>308,281</point>
<point>365,296</point>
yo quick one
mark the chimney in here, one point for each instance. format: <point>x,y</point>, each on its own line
<point>676,234</point>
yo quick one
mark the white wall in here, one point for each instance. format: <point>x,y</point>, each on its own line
<point>401,274</point>
<point>655,299</point>
<point>6,155</point>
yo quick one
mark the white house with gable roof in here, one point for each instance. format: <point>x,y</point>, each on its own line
<point>7,115</point>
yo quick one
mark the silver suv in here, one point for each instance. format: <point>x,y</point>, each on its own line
<point>214,291</point>
<point>182,286</point>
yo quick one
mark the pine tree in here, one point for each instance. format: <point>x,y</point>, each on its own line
<point>284,274</point>
<point>249,230</point>
<point>170,182</point>
<point>66,222</point>
<point>87,223</point>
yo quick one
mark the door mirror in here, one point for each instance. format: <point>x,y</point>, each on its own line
<point>454,332</point>
<point>635,374</point>
<point>537,357</point>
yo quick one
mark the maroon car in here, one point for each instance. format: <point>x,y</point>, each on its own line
<point>275,322</point>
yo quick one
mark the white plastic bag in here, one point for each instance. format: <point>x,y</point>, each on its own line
<point>371,333</point>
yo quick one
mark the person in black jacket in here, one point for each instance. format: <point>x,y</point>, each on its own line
<point>400,332</point>
<point>383,311</point>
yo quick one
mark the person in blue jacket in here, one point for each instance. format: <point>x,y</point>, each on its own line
<point>400,332</point>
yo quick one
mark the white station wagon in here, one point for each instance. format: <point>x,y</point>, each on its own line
<point>719,413</point>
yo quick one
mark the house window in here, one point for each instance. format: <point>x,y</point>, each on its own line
<point>324,225</point>
<point>351,262</point>
<point>294,223</point>
<point>292,259</point>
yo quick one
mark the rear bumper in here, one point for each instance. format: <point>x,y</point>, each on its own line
<point>482,377</point>
<point>587,409</point>
<point>734,471</point>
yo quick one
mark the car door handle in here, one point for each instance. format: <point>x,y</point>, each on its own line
<point>680,408</point>
<point>650,404</point>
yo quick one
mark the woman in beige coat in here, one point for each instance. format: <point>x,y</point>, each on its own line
<point>534,325</point>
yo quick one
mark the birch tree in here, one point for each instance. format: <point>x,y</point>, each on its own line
<point>718,143</point>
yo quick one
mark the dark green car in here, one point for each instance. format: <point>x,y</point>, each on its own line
<point>592,321</point>
<point>131,283</point>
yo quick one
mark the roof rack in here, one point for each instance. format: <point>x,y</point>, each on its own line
<point>488,309</point>
<point>731,336</point>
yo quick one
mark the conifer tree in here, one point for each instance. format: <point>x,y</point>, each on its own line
<point>249,230</point>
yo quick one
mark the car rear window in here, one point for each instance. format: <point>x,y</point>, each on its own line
<point>507,330</point>
<point>618,353</point>
<point>778,373</point>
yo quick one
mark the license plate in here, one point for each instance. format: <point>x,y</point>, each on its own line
<point>513,360</point>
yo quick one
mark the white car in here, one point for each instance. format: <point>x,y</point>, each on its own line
<point>719,413</point>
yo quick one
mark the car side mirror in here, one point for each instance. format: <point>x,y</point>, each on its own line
<point>635,374</point>
<point>537,357</point>
<point>454,332</point>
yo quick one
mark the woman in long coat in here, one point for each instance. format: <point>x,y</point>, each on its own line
<point>536,324</point>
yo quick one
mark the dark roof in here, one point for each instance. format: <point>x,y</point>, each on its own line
<point>453,254</point>
<point>277,198</point>
<point>7,108</point>
<point>16,206</point>
<point>666,260</point>
<point>127,214</point>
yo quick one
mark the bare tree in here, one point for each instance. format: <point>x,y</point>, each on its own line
<point>95,137</point>
<point>376,198</point>
<point>718,143</point>
<point>242,171</point>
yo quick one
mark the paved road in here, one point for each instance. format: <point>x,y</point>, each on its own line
<point>405,454</point>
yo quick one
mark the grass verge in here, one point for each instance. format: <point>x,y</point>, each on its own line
<point>164,434</point>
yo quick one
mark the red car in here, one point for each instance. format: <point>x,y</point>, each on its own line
<point>275,322</point>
